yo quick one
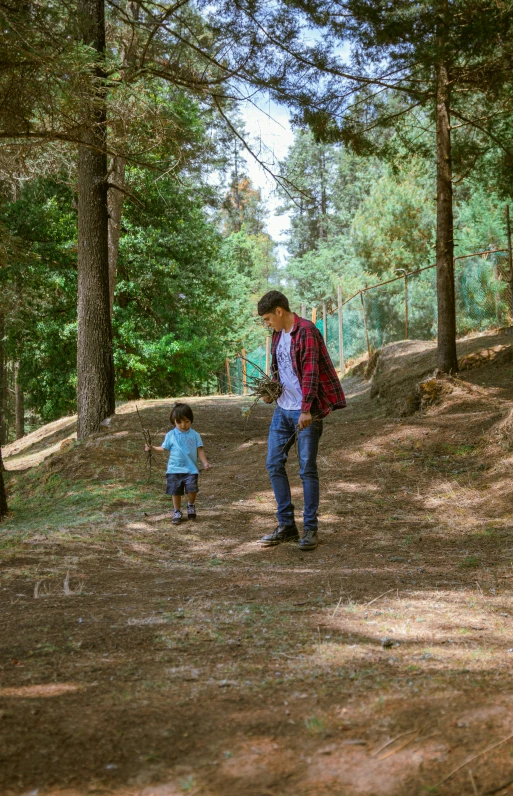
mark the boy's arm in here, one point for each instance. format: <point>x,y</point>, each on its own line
<point>203,459</point>
<point>155,448</point>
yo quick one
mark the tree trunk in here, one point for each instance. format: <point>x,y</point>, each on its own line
<point>3,383</point>
<point>95,389</point>
<point>3,496</point>
<point>115,206</point>
<point>118,166</point>
<point>19,403</point>
<point>447,357</point>
<point>324,199</point>
<point>3,434</point>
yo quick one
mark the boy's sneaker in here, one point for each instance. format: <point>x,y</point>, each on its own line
<point>191,511</point>
<point>177,517</point>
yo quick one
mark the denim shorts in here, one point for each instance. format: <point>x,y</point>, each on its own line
<point>179,483</point>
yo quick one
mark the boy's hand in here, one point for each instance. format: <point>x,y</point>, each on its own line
<point>147,448</point>
<point>207,465</point>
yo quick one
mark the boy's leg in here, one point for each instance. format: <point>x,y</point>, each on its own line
<point>191,508</point>
<point>191,485</point>
<point>175,488</point>
<point>308,445</point>
<point>281,438</point>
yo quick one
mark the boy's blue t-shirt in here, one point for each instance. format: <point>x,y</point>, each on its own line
<point>183,450</point>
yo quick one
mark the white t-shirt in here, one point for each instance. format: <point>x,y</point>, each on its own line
<point>291,396</point>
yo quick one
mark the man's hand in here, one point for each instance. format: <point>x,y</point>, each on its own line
<point>267,399</point>
<point>305,420</point>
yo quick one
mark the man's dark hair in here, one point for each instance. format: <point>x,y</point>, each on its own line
<point>271,301</point>
<point>181,411</point>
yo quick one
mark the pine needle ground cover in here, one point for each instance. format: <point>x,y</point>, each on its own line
<point>140,659</point>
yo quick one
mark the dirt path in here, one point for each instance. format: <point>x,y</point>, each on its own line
<point>140,659</point>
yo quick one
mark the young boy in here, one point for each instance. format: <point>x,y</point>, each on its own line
<point>185,447</point>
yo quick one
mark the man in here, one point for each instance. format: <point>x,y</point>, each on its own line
<point>312,389</point>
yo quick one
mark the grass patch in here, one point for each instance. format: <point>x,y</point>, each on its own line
<point>46,504</point>
<point>315,725</point>
<point>470,562</point>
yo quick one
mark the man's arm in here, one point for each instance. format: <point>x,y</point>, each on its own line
<point>309,376</point>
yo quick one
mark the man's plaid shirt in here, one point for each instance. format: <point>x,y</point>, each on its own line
<point>320,385</point>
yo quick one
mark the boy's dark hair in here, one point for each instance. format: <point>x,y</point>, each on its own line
<point>271,301</point>
<point>181,411</point>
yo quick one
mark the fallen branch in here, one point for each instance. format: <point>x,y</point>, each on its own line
<point>471,759</point>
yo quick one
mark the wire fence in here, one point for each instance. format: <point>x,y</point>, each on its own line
<point>402,308</point>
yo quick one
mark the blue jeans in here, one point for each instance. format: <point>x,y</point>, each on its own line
<point>281,439</point>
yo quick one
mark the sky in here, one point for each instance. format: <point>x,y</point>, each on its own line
<point>268,128</point>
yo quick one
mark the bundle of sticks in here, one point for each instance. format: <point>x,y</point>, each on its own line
<point>262,386</point>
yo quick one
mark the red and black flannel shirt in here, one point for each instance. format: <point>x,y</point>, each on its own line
<point>320,385</point>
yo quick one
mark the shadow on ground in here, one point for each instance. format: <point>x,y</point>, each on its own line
<point>141,659</point>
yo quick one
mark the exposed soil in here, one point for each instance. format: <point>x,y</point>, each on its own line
<point>140,659</point>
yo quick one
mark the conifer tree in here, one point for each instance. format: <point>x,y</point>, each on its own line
<point>452,58</point>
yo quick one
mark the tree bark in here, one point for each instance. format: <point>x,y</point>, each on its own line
<point>447,357</point>
<point>95,366</point>
<point>118,166</point>
<point>3,382</point>
<point>3,496</point>
<point>115,207</point>
<point>19,403</point>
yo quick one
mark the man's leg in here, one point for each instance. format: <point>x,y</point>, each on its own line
<point>308,445</point>
<point>281,438</point>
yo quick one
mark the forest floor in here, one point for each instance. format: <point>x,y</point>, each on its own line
<point>142,659</point>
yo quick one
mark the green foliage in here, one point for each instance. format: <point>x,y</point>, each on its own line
<point>380,219</point>
<point>41,323</point>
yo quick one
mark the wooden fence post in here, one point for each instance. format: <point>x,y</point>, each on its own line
<point>228,377</point>
<point>340,331</point>
<point>244,373</point>
<point>303,310</point>
<point>365,324</point>
<point>324,322</point>
<point>406,305</point>
<point>314,315</point>
<point>268,356</point>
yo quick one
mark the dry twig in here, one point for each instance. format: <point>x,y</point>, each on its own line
<point>336,609</point>
<point>412,733</point>
<point>499,789</point>
<point>474,788</point>
<point>471,759</point>
<point>366,605</point>
<point>148,440</point>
